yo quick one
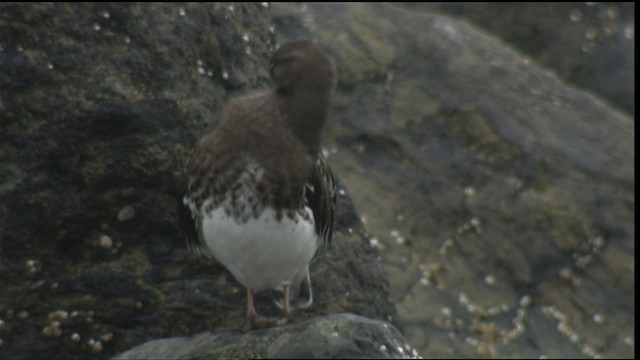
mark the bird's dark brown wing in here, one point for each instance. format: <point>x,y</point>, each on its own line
<point>320,196</point>
<point>191,223</point>
<point>188,223</point>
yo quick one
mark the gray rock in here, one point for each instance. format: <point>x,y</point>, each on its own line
<point>503,197</point>
<point>100,104</point>
<point>588,44</point>
<point>337,336</point>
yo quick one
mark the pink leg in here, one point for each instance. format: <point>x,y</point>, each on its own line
<point>286,309</point>
<point>251,310</point>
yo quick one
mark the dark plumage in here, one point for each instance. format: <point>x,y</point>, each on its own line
<point>258,195</point>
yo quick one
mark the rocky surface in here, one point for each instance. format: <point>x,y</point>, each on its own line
<point>100,104</point>
<point>503,197</point>
<point>338,336</point>
<point>588,44</point>
<point>500,197</point>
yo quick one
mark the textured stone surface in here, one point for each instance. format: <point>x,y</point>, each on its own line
<point>338,336</point>
<point>100,104</point>
<point>503,197</point>
<point>589,44</point>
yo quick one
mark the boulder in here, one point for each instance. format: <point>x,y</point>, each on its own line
<point>100,104</point>
<point>588,44</point>
<point>503,196</point>
<point>337,336</point>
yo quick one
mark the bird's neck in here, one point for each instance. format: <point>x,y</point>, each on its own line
<point>306,112</point>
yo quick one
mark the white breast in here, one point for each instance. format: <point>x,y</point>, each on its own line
<point>263,252</point>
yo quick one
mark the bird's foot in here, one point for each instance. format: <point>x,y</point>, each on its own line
<point>262,322</point>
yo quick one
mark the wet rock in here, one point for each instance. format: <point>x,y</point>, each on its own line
<point>512,190</point>
<point>100,105</point>
<point>589,44</point>
<point>338,336</point>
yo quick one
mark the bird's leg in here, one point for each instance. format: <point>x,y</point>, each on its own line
<point>251,310</point>
<point>285,307</point>
<point>255,321</point>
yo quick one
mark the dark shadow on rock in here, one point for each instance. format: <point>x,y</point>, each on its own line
<point>100,104</point>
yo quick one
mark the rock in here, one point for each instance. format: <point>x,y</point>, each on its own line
<point>503,197</point>
<point>100,105</point>
<point>512,192</point>
<point>588,44</point>
<point>337,336</point>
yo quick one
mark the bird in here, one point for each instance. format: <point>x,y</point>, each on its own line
<point>258,194</point>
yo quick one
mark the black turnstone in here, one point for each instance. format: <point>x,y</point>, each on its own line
<point>259,196</point>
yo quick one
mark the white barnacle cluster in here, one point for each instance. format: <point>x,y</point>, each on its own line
<point>507,336</point>
<point>582,257</point>
<point>444,248</point>
<point>592,247</point>
<point>33,266</point>
<point>126,213</point>
<point>397,237</point>
<point>429,272</point>
<point>55,319</point>
<point>105,241</point>
<point>469,191</point>
<point>61,322</point>
<point>564,328</point>
<point>200,67</point>
<point>480,311</point>
<point>95,345</point>
<point>490,333</point>
<point>375,243</point>
<point>483,348</point>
